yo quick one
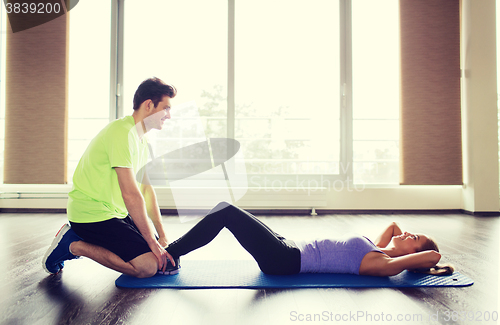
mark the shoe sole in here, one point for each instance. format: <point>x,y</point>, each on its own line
<point>55,242</point>
<point>169,272</point>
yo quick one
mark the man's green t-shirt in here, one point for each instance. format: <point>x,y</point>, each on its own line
<point>96,194</point>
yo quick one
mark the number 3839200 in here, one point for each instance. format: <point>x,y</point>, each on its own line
<point>33,8</point>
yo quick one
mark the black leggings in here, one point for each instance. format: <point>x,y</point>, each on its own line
<point>273,253</point>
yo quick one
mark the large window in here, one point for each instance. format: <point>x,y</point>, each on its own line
<point>287,88</point>
<point>277,77</point>
<point>375,66</point>
<point>185,44</point>
<point>275,86</point>
<point>89,76</point>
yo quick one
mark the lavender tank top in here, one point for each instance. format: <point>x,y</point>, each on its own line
<point>341,255</point>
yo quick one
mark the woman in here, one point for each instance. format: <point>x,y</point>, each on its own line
<point>279,256</point>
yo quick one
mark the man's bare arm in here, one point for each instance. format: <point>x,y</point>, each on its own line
<point>136,206</point>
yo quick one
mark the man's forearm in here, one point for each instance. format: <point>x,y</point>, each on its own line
<point>153,209</point>
<point>137,209</point>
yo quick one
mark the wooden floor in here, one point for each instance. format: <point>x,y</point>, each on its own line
<point>84,293</point>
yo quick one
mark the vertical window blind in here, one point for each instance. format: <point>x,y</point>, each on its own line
<point>36,104</point>
<point>430,143</point>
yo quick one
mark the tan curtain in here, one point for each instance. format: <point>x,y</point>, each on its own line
<point>36,104</point>
<point>430,143</point>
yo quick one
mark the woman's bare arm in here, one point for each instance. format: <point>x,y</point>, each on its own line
<point>385,237</point>
<point>383,265</point>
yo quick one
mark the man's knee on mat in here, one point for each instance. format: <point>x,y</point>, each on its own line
<point>145,266</point>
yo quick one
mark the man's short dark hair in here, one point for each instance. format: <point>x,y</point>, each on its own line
<point>154,89</point>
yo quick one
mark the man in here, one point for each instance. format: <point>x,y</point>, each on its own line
<point>109,204</point>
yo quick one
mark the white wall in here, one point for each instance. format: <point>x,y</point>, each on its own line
<point>479,106</point>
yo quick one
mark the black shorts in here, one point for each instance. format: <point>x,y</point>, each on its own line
<point>120,236</point>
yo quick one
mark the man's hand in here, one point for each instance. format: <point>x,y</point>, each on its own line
<point>161,255</point>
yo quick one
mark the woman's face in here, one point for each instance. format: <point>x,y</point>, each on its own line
<point>408,242</point>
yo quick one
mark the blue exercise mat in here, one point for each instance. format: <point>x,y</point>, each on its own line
<point>246,274</point>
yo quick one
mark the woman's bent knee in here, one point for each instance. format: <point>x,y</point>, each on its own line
<point>222,205</point>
